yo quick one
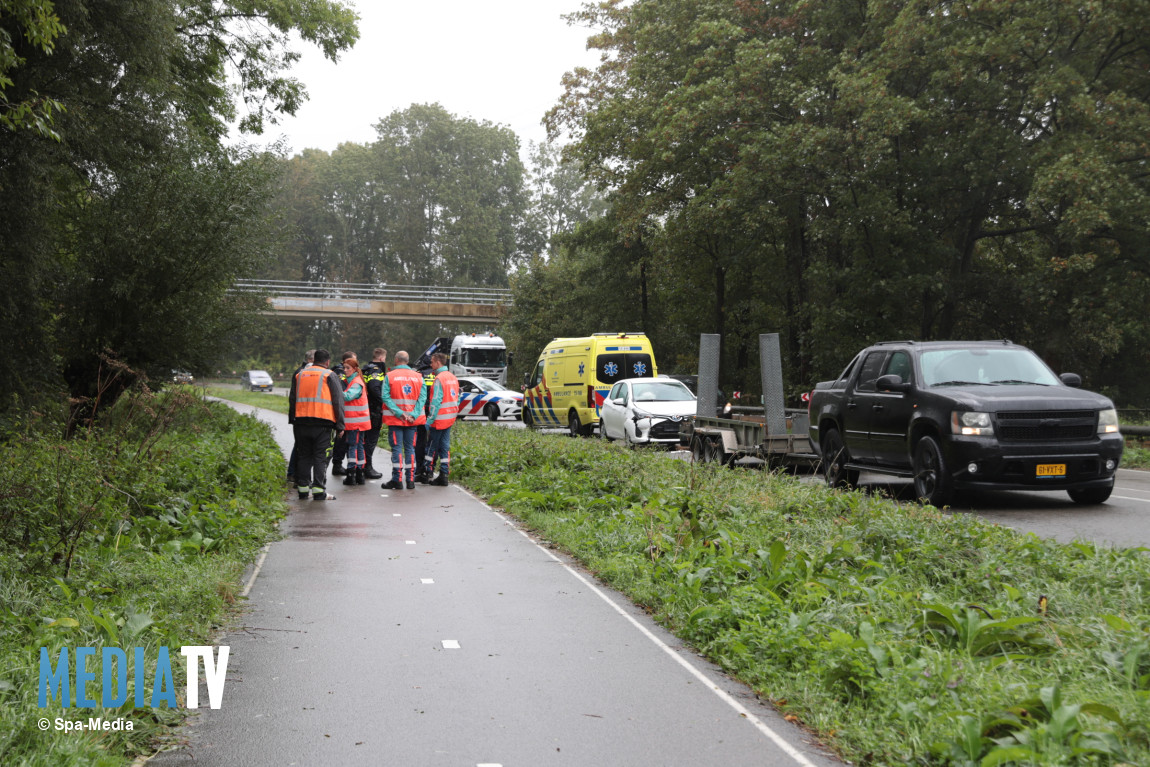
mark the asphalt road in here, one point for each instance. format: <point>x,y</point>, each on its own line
<point>422,628</point>
<point>1124,520</point>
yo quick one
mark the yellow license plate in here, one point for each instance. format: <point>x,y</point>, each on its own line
<point>1052,470</point>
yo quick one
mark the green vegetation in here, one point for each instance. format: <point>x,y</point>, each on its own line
<point>1137,455</point>
<point>123,217</point>
<point>267,401</point>
<point>134,533</point>
<point>901,634</point>
<point>844,173</point>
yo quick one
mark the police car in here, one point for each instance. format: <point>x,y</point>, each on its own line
<point>482,396</point>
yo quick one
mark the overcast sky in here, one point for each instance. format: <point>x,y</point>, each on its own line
<point>494,60</point>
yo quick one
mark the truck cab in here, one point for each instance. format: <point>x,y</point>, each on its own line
<point>479,354</point>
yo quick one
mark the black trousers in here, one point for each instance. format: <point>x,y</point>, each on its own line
<point>420,447</point>
<point>313,449</point>
<point>371,439</point>
<point>339,450</point>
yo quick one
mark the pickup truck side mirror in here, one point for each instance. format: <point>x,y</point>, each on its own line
<point>892,382</point>
<point>1072,380</point>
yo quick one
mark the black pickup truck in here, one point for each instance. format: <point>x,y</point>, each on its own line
<point>965,414</point>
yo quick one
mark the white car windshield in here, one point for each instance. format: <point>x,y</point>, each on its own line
<point>662,391</point>
<point>986,367</point>
<point>260,375</point>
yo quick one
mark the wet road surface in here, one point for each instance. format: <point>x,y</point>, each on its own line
<point>422,628</point>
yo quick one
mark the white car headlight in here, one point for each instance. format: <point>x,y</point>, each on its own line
<point>1108,421</point>
<point>970,424</point>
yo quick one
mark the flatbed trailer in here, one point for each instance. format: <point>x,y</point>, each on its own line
<point>773,434</point>
<point>728,440</point>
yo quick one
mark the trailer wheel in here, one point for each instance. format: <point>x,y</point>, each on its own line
<point>715,451</point>
<point>698,453</point>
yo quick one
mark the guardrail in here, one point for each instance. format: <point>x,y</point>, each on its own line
<point>369,292</point>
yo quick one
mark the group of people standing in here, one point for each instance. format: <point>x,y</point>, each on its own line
<point>339,412</point>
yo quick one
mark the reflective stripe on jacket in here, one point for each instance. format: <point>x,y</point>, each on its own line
<point>446,396</point>
<point>313,398</point>
<point>356,416</point>
<point>405,392</point>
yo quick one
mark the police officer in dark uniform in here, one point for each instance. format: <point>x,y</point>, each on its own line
<point>339,450</point>
<point>374,373</point>
<point>421,474</point>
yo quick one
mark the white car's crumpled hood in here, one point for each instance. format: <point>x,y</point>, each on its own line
<point>665,409</point>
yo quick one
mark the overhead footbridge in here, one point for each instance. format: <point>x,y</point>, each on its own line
<point>365,301</point>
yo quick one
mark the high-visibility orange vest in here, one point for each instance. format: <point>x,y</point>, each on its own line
<point>312,397</point>
<point>449,405</point>
<point>403,384</point>
<point>356,416</point>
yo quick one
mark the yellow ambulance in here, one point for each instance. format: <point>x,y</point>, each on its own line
<point>573,375</point>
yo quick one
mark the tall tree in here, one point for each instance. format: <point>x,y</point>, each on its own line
<point>137,85</point>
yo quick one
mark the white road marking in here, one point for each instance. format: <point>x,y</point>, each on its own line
<point>397,515</point>
<point>723,695</point>
<point>259,566</point>
<point>451,644</point>
<point>427,580</point>
<point>1128,498</point>
<point>410,543</point>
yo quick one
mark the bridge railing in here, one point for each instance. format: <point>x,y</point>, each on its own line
<point>368,292</point>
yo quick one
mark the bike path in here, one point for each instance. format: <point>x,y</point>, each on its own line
<point>423,628</point>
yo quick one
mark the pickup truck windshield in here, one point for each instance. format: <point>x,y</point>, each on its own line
<point>988,367</point>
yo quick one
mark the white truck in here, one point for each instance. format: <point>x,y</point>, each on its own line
<point>472,354</point>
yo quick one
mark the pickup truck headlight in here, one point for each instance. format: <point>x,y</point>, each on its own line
<point>971,424</point>
<point>1108,421</point>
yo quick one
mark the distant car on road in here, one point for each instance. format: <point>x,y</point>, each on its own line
<point>256,380</point>
<point>482,396</point>
<point>645,410</point>
<point>182,377</point>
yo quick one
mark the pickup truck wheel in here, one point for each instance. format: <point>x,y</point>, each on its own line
<point>1090,495</point>
<point>835,459</point>
<point>932,480</point>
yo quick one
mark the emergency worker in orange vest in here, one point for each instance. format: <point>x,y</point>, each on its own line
<point>403,398</point>
<point>339,451</point>
<point>315,411</point>
<point>442,413</point>
<point>357,422</point>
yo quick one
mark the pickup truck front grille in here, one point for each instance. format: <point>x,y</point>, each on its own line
<point>1047,425</point>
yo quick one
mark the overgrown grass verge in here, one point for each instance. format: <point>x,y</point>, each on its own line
<point>901,634</point>
<point>275,402</point>
<point>133,534</point>
<point>1136,455</point>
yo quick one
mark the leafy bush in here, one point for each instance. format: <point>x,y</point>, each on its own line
<point>900,633</point>
<point>133,533</point>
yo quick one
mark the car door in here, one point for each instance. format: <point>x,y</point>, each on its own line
<point>890,414</point>
<point>610,414</point>
<point>859,405</point>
